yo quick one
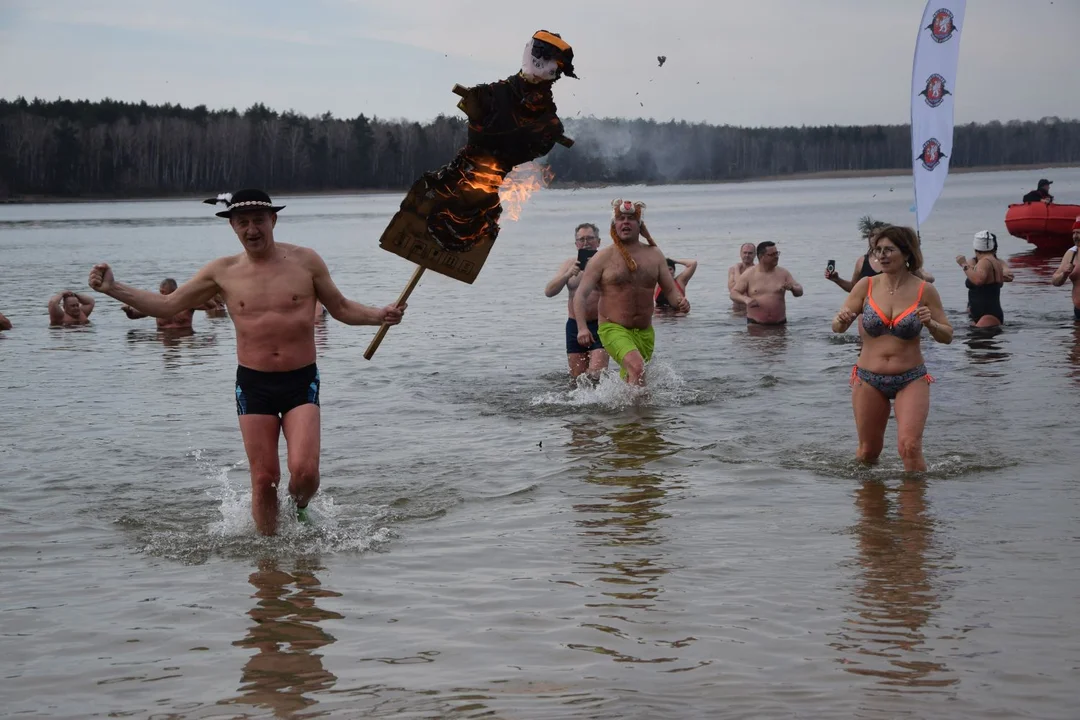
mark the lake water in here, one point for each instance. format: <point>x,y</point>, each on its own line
<point>490,542</point>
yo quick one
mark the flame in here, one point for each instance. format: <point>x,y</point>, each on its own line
<point>484,176</point>
<point>520,184</point>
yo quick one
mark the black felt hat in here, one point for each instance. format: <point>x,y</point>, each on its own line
<point>246,200</point>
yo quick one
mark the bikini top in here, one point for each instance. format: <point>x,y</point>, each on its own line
<point>905,326</point>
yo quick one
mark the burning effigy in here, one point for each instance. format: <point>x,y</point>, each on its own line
<point>449,219</point>
<point>456,209</point>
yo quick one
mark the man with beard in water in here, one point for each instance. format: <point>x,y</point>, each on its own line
<point>626,275</point>
<point>763,288</point>
<point>270,290</point>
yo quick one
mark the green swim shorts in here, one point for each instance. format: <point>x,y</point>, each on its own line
<point>620,341</point>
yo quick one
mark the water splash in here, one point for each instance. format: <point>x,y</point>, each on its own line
<point>664,387</point>
<point>332,528</point>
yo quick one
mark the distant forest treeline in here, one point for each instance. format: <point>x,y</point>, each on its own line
<point>111,148</point>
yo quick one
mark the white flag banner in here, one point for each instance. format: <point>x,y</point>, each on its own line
<point>933,82</point>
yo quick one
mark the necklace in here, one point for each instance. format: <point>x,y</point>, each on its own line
<point>892,290</point>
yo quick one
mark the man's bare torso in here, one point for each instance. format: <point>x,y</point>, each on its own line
<point>626,298</point>
<point>80,319</point>
<point>767,287</point>
<point>592,303</point>
<point>734,273</point>
<point>272,305</point>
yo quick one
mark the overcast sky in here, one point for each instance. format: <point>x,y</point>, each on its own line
<point>767,62</point>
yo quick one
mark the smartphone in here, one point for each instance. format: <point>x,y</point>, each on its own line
<point>830,268</point>
<point>583,256</point>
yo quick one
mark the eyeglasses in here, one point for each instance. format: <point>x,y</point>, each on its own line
<point>887,250</point>
<point>586,238</point>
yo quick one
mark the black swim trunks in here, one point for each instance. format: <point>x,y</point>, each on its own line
<point>755,322</point>
<point>572,346</point>
<point>275,393</point>
<point>1076,313</point>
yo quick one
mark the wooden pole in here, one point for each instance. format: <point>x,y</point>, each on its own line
<point>374,345</point>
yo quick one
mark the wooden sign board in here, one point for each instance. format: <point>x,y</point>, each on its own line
<point>407,236</point>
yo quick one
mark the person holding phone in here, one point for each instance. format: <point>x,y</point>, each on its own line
<point>1070,270</point>
<point>866,265</point>
<point>592,359</point>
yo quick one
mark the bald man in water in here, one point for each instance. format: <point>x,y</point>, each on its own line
<point>180,321</point>
<point>747,253</point>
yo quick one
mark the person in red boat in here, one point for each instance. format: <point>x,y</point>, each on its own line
<point>1070,270</point>
<point>1041,193</point>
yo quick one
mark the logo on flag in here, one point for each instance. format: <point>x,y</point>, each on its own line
<point>931,154</point>
<point>942,26</point>
<point>935,90</point>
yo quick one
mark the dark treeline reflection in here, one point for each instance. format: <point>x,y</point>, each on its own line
<point>72,148</point>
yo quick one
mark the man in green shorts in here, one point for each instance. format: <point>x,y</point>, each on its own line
<point>626,273</point>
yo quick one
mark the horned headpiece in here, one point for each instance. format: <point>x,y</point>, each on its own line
<point>637,209</point>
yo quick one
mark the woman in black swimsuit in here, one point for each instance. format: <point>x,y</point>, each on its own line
<point>985,274</point>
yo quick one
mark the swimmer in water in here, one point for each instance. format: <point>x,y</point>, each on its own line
<point>271,289</point>
<point>891,369</point>
<point>985,274</point>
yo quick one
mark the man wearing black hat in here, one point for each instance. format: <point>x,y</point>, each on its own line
<point>270,290</point>
<point>1041,193</point>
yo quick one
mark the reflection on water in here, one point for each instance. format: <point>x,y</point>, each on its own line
<point>895,593</point>
<point>175,341</point>
<point>1074,355</point>
<point>618,529</point>
<point>286,669</point>
<point>1037,263</point>
<point>984,348</point>
<point>768,339</point>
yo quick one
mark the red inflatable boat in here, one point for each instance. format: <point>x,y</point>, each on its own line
<point>1047,227</point>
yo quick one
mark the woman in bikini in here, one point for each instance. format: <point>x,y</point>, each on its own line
<point>985,274</point>
<point>894,307</point>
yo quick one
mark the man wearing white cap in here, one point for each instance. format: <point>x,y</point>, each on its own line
<point>1070,270</point>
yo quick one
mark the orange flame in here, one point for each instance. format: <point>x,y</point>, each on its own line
<point>485,176</point>
<point>520,184</point>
